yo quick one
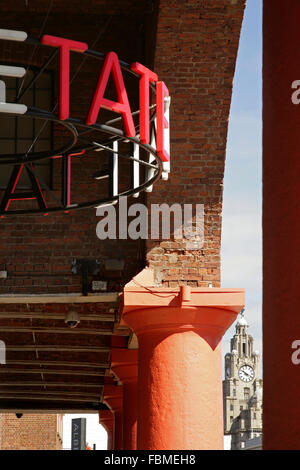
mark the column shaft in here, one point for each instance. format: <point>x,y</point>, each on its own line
<point>106,419</point>
<point>281,224</point>
<point>113,397</point>
<point>124,365</point>
<point>180,401</point>
<point>118,430</point>
<point>180,375</point>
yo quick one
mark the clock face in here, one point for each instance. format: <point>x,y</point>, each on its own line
<point>246,373</point>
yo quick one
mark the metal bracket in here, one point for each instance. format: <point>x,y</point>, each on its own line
<point>85,267</point>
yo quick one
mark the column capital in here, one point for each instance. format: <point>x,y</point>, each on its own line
<point>105,416</point>
<point>106,419</point>
<point>113,397</point>
<point>124,364</point>
<point>148,308</point>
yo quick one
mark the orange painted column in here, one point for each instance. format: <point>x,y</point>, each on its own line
<point>113,397</point>
<point>124,364</point>
<point>281,224</point>
<point>106,419</point>
<point>180,364</point>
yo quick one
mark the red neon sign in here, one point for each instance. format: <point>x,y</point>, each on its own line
<point>146,77</point>
<point>65,45</point>
<point>111,65</point>
<point>162,123</point>
<point>111,69</point>
<point>10,194</point>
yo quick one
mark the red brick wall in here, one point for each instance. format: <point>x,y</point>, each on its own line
<point>195,54</point>
<point>31,432</point>
<point>38,251</point>
<point>196,48</point>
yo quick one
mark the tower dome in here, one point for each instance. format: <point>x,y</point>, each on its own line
<point>242,320</point>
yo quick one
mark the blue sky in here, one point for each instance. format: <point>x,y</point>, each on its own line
<point>242,228</point>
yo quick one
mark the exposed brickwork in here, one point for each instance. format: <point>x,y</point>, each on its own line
<point>37,252</point>
<point>195,55</point>
<point>31,432</point>
<point>196,48</point>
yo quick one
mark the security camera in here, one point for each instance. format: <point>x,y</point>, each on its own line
<point>72,319</point>
<point>19,415</point>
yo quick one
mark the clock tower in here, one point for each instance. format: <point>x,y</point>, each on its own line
<point>242,388</point>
